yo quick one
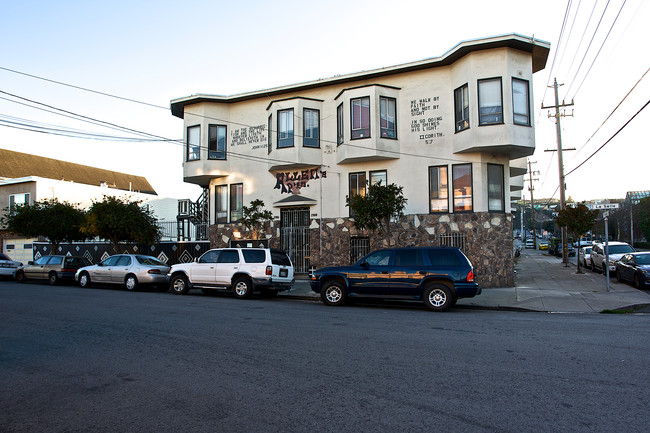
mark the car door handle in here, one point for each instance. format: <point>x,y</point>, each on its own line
<point>423,272</point>
<point>384,272</point>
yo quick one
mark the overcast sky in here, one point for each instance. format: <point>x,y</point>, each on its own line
<point>156,51</point>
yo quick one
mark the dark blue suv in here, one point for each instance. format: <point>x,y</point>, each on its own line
<point>436,275</point>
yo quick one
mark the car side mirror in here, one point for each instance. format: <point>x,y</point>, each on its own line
<point>196,259</point>
<point>30,262</point>
<point>365,265</point>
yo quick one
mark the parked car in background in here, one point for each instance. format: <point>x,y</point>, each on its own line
<point>129,270</point>
<point>616,251</point>
<point>438,276</point>
<point>240,270</point>
<point>8,267</point>
<point>634,267</point>
<point>530,243</point>
<point>542,245</point>
<point>571,252</point>
<point>585,255</point>
<point>52,268</point>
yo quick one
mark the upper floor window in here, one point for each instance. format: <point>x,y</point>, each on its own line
<point>387,117</point>
<point>217,141</point>
<point>236,202</point>
<point>495,188</point>
<point>490,101</point>
<point>520,102</point>
<point>18,200</point>
<point>221,204</point>
<point>339,124</point>
<point>360,112</point>
<point>193,142</point>
<point>461,107</point>
<point>462,184</point>
<point>311,123</point>
<point>438,189</point>
<point>268,138</point>
<point>285,128</point>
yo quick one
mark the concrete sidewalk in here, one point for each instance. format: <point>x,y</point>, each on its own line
<point>544,284</point>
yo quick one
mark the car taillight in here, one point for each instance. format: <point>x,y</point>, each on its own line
<point>269,270</point>
<point>153,271</point>
<point>470,276</point>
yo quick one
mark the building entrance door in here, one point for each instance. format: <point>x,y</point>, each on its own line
<point>294,236</point>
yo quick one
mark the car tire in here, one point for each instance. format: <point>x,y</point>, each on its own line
<point>84,279</point>
<point>20,277</point>
<point>593,267</point>
<point>53,278</point>
<point>619,278</point>
<point>438,297</point>
<point>242,288</point>
<point>179,285</point>
<point>333,293</point>
<point>637,282</point>
<point>130,283</point>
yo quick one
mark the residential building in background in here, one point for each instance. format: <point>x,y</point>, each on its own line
<point>447,129</point>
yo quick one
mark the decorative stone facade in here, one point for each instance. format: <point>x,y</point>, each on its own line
<point>485,238</point>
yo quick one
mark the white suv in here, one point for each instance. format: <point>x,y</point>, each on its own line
<point>242,270</point>
<point>616,251</point>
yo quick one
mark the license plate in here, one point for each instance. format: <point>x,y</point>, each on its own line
<point>283,272</point>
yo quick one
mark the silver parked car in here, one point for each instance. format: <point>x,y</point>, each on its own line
<point>7,266</point>
<point>130,270</point>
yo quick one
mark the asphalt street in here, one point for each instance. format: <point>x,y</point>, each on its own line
<point>100,360</point>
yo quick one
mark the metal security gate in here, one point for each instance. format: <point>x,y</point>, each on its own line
<point>294,236</point>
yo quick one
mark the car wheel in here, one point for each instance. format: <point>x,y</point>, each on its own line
<point>242,288</point>
<point>593,268</point>
<point>618,276</point>
<point>84,279</point>
<point>637,282</point>
<point>131,282</point>
<point>438,297</point>
<point>53,278</point>
<point>20,277</point>
<point>179,285</point>
<point>333,293</point>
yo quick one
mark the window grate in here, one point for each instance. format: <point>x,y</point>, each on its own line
<point>359,247</point>
<point>452,240</point>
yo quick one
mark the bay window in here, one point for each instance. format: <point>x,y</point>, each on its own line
<point>360,112</point>
<point>520,102</point>
<point>495,188</point>
<point>461,107</point>
<point>193,143</point>
<point>490,101</point>
<point>217,141</point>
<point>285,128</point>
<point>311,124</point>
<point>387,117</point>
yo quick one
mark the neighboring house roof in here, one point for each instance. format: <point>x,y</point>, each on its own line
<point>539,50</point>
<point>17,164</point>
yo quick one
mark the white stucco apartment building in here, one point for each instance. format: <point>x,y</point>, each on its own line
<point>451,130</point>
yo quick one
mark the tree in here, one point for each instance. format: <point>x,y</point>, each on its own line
<point>120,220</point>
<point>578,220</point>
<point>57,221</point>
<point>644,216</point>
<point>255,217</point>
<point>375,209</point>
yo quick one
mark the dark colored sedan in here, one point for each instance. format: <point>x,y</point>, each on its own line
<point>634,267</point>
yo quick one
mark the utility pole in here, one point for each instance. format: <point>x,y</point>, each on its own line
<point>532,200</point>
<point>558,132</point>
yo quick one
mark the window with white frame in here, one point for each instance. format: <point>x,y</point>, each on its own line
<point>378,177</point>
<point>360,117</point>
<point>520,102</point>
<point>311,124</point>
<point>461,107</point>
<point>490,101</point>
<point>217,141</point>
<point>496,202</point>
<point>285,128</point>
<point>438,189</point>
<point>193,142</point>
<point>388,127</point>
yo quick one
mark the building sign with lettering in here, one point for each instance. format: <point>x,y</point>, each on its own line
<point>255,135</point>
<point>425,119</point>
<point>291,182</point>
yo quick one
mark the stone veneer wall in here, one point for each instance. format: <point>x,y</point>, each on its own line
<point>488,240</point>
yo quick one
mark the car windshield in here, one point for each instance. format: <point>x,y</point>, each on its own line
<point>148,260</point>
<point>620,249</point>
<point>643,259</point>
